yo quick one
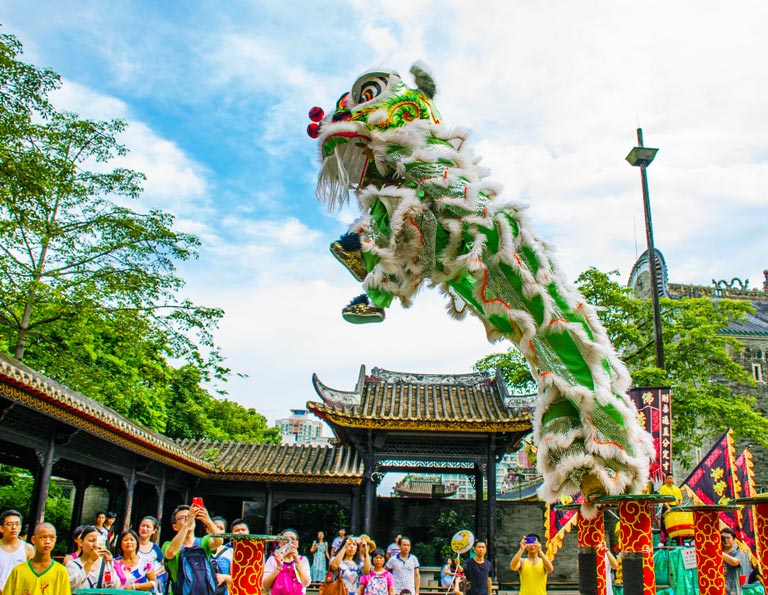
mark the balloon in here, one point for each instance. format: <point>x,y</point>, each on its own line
<point>462,541</point>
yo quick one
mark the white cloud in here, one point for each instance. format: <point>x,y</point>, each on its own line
<point>281,334</point>
<point>174,181</point>
<point>554,92</point>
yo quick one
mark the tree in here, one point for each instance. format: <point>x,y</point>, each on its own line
<point>89,293</point>
<point>16,487</point>
<point>698,357</point>
<point>193,413</point>
<point>514,369</point>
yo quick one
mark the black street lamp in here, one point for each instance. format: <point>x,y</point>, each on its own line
<point>642,157</point>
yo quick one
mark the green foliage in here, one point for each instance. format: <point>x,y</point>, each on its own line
<point>698,357</point>
<point>192,412</point>
<point>448,524</point>
<point>16,487</point>
<point>425,552</point>
<point>514,369</point>
<point>89,293</point>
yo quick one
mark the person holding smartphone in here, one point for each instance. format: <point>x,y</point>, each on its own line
<point>534,568</point>
<point>186,545</point>
<point>92,569</point>
<point>286,572</point>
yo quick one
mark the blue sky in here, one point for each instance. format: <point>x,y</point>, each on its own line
<point>217,94</point>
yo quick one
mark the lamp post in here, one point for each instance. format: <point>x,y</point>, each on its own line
<point>642,157</point>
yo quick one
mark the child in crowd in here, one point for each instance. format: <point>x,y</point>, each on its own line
<point>40,575</point>
<point>379,580</point>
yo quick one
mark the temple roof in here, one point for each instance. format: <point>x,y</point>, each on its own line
<point>278,462</point>
<point>23,385</point>
<point>469,403</point>
<point>206,459</point>
<point>754,325</point>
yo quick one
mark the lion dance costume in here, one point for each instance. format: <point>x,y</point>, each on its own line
<point>429,213</point>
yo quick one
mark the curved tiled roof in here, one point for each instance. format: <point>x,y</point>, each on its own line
<point>384,399</point>
<point>754,325</point>
<point>43,394</point>
<point>204,458</point>
<point>279,462</point>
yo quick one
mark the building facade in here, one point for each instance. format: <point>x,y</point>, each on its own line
<point>300,428</point>
<point>753,332</point>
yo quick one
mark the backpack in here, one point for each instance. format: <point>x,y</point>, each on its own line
<point>194,575</point>
<point>218,568</point>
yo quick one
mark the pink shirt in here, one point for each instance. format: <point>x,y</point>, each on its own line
<point>365,579</point>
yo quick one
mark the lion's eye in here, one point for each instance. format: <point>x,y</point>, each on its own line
<point>371,88</point>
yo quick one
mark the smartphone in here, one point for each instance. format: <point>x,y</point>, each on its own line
<point>197,501</point>
<point>283,551</point>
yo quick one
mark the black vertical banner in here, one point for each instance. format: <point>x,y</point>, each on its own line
<point>654,408</point>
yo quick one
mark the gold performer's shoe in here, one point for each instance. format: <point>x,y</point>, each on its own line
<point>363,313</point>
<point>351,259</point>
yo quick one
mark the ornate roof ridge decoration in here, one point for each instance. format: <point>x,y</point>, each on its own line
<point>468,403</point>
<point>333,396</point>
<point>37,391</point>
<point>289,463</point>
<point>391,377</point>
<point>717,290</point>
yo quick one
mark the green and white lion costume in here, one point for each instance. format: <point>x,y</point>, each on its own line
<point>429,213</point>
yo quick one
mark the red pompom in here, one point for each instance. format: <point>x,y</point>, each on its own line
<point>313,130</point>
<point>316,114</point>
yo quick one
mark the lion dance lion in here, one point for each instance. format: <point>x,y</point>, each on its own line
<point>429,213</point>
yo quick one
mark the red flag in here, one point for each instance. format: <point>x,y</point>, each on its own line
<point>558,522</point>
<point>654,408</point>
<point>714,480</point>
<point>746,476</point>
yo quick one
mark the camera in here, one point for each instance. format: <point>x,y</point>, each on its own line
<point>530,539</point>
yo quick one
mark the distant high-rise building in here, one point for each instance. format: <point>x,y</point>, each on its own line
<point>300,428</point>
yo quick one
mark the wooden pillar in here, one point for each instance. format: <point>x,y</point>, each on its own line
<point>81,484</point>
<point>478,498</point>
<point>369,488</point>
<point>491,521</point>
<point>42,480</point>
<point>354,521</point>
<point>160,488</point>
<point>130,486</point>
<point>268,497</point>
